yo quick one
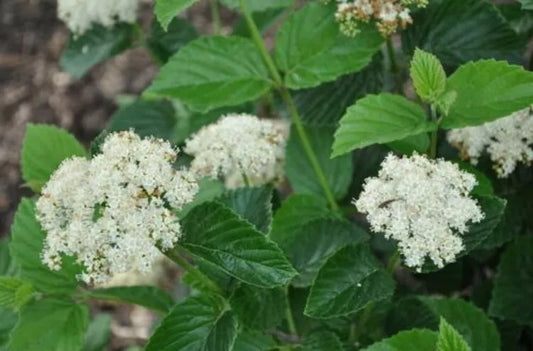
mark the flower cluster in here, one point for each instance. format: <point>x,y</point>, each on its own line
<point>423,204</point>
<point>240,148</point>
<point>508,141</point>
<point>389,15</point>
<point>81,15</point>
<point>113,212</point>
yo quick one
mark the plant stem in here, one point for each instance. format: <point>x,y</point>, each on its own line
<point>394,68</point>
<point>394,261</point>
<point>215,17</point>
<point>288,313</point>
<point>287,98</point>
<point>434,135</point>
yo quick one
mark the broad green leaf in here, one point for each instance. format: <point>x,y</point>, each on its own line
<point>322,341</point>
<point>407,146</point>
<point>428,76</point>
<point>449,339</point>
<point>263,20</point>
<point>259,5</point>
<point>484,185</point>
<point>350,280</point>
<point>513,284</point>
<point>7,322</point>
<point>96,45</point>
<point>146,118</point>
<point>209,190</point>
<point>252,204</point>
<point>215,234</point>
<point>521,21</point>
<point>14,293</point>
<point>307,62</point>
<point>50,324</point>
<point>166,10</point>
<point>195,75</point>
<point>487,90</point>
<point>378,119</point>
<point>198,323</point>
<point>253,341</point>
<point>309,247</point>
<point>458,31</point>
<point>300,171</point>
<point>163,44</point>
<point>43,149</point>
<point>26,246</point>
<point>527,4</point>
<point>259,309</point>
<point>410,340</point>
<point>98,333</point>
<point>146,296</point>
<point>7,266</point>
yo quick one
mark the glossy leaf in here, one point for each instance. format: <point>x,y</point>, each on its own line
<point>259,309</point>
<point>449,339</point>
<point>146,296</point>
<point>252,204</point>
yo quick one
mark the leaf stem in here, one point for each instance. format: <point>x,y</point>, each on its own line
<point>434,135</point>
<point>215,17</point>
<point>394,68</point>
<point>288,313</point>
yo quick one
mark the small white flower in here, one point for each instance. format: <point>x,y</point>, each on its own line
<point>423,204</point>
<point>508,141</point>
<point>112,211</point>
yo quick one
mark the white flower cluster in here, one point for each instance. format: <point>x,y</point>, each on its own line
<point>81,15</point>
<point>508,141</point>
<point>112,211</point>
<point>389,15</point>
<point>423,204</point>
<point>241,148</point>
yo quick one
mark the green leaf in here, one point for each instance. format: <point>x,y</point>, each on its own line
<point>259,309</point>
<point>7,266</point>
<point>350,280</point>
<point>253,341</point>
<point>407,146</point>
<point>487,90</point>
<point>164,43</point>
<point>513,284</point>
<point>198,323</point>
<point>194,73</point>
<point>410,340</point>
<point>252,204</point>
<point>378,119</point>
<point>217,235</point>
<point>322,341</point>
<point>50,324</point>
<point>306,61</point>
<point>147,118</point>
<point>484,185</point>
<point>263,20</point>
<point>43,149</point>
<point>7,322</point>
<point>166,10</point>
<point>146,296</point>
<point>98,333</point>
<point>449,339</point>
<point>14,293</point>
<point>26,246</point>
<point>95,46</point>
<point>458,31</point>
<point>527,4</point>
<point>300,171</point>
<point>209,190</point>
<point>428,76</point>
<point>259,5</point>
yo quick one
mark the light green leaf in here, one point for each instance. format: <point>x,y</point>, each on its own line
<point>410,340</point>
<point>259,309</point>
<point>428,76</point>
<point>513,284</point>
<point>350,280</point>
<point>487,90</point>
<point>43,149</point>
<point>322,341</point>
<point>259,5</point>
<point>378,119</point>
<point>26,246</point>
<point>50,324</point>
<point>163,44</point>
<point>253,341</point>
<point>146,296</point>
<point>252,204</point>
<point>527,4</point>
<point>198,323</point>
<point>98,333</point>
<point>96,45</point>
<point>300,171</point>
<point>14,293</point>
<point>306,61</point>
<point>194,73</point>
<point>166,10</point>
<point>449,339</point>
<point>215,234</point>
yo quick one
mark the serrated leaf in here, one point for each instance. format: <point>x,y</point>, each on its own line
<point>259,309</point>
<point>253,341</point>
<point>166,10</point>
<point>307,62</point>
<point>259,5</point>
<point>416,339</point>
<point>487,90</point>
<point>215,234</point>
<point>449,339</point>
<point>300,171</point>
<point>350,280</point>
<point>198,323</point>
<point>322,341</point>
<point>458,31</point>
<point>428,76</point>
<point>164,43</point>
<point>98,333</point>
<point>146,296</point>
<point>378,119</point>
<point>513,284</point>
<point>95,46</point>
<point>27,240</point>
<point>50,324</point>
<point>43,149</point>
<point>194,73</point>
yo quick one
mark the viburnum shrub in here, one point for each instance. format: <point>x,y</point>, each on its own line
<point>362,183</point>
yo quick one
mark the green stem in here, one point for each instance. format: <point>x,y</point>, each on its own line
<point>394,68</point>
<point>394,261</point>
<point>215,17</point>
<point>288,313</point>
<point>287,98</point>
<point>434,135</point>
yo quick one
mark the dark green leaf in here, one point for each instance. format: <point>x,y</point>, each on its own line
<point>322,341</point>
<point>410,340</point>
<point>252,204</point>
<point>98,333</point>
<point>493,208</point>
<point>428,76</point>
<point>527,4</point>
<point>407,146</point>
<point>450,339</point>
<point>259,309</point>
<point>166,10</point>
<point>7,266</point>
<point>209,190</point>
<point>146,296</point>
<point>163,44</point>
<point>253,341</point>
